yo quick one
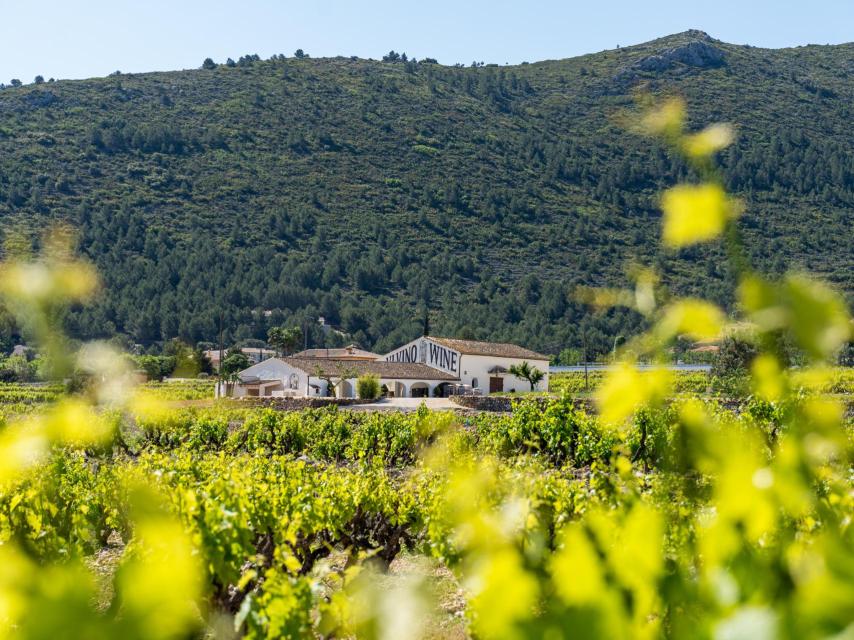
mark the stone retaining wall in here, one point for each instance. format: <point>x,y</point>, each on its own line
<point>504,404</point>
<point>297,404</point>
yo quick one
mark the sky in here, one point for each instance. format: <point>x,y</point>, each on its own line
<point>86,38</point>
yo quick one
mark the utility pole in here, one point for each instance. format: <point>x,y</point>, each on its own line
<point>586,379</point>
<point>220,343</point>
<point>219,368</point>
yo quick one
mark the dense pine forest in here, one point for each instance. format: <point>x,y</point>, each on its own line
<point>267,192</point>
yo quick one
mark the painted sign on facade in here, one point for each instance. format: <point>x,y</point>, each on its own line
<point>408,354</point>
<point>443,358</point>
<point>429,353</point>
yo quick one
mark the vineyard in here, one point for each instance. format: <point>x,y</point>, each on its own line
<point>286,510</point>
<point>651,509</point>
<point>836,380</point>
<point>201,389</point>
<point>575,382</point>
<point>19,398</point>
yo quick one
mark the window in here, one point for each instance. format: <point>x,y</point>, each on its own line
<point>474,383</point>
<point>294,382</point>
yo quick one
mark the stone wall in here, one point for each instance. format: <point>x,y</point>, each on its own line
<point>504,404</point>
<point>297,404</point>
<point>483,403</point>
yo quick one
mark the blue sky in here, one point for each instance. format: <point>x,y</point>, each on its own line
<point>77,39</point>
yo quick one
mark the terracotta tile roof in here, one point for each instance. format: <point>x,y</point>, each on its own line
<point>496,349</point>
<point>401,370</point>
<point>350,352</point>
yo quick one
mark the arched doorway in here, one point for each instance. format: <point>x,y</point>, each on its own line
<point>345,389</point>
<point>443,390</point>
<point>399,390</point>
<point>419,390</point>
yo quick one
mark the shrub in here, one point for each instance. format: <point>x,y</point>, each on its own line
<point>18,369</point>
<point>368,387</point>
<point>390,439</point>
<point>272,431</point>
<point>155,367</point>
<point>208,433</point>
<point>731,367</point>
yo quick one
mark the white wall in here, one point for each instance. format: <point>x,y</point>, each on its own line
<point>395,386</point>
<point>275,369</point>
<point>477,368</point>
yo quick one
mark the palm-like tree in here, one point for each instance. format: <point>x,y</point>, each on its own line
<point>284,340</point>
<point>526,372</point>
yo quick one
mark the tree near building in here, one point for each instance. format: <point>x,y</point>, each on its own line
<point>204,362</point>
<point>155,367</point>
<point>526,372</point>
<point>284,340</point>
<point>275,339</point>
<point>570,355</point>
<point>334,378</point>
<point>233,363</point>
<point>186,364</point>
<point>292,339</point>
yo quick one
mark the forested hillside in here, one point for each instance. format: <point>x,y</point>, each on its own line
<point>368,191</point>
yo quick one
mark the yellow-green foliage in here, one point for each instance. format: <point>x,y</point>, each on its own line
<point>573,382</point>
<point>181,389</point>
<point>655,518</point>
<point>368,387</point>
<point>20,398</point>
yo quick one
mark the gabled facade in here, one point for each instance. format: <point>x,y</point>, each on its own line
<point>480,365</point>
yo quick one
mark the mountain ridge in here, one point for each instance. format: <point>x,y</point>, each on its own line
<point>367,191</point>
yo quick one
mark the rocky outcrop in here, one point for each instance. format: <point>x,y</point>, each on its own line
<point>693,54</point>
<point>699,53</point>
<point>40,99</point>
<point>29,101</point>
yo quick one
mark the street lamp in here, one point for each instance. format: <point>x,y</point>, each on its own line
<point>614,350</point>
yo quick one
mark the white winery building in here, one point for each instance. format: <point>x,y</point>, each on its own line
<point>428,366</point>
<point>479,365</point>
